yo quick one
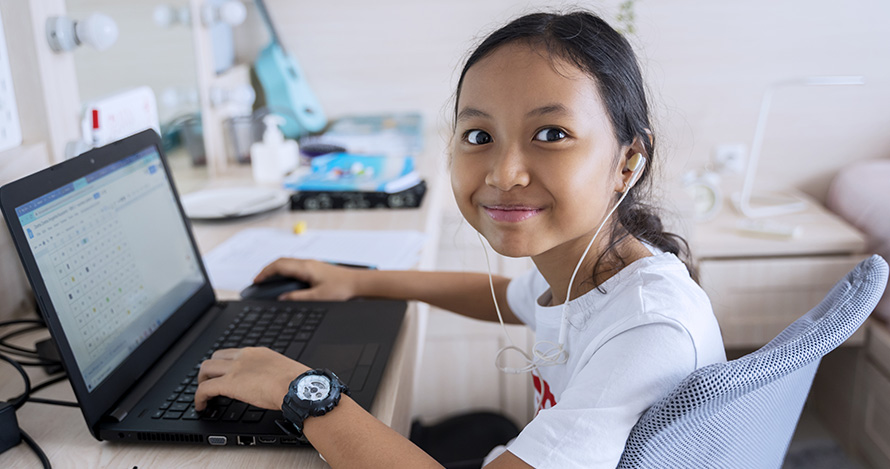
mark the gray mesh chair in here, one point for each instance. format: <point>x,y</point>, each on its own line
<point>742,413</point>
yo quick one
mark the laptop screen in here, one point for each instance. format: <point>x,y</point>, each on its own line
<point>115,256</point>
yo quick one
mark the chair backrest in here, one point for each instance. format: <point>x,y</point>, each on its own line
<point>742,413</point>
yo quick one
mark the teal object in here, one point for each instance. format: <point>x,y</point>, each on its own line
<point>285,87</point>
<point>348,172</point>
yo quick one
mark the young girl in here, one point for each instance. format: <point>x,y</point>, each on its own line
<point>551,145</point>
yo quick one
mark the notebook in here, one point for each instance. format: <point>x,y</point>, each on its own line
<point>120,282</point>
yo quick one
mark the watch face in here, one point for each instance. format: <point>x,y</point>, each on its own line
<point>313,387</point>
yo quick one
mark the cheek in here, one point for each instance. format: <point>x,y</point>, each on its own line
<point>465,181</point>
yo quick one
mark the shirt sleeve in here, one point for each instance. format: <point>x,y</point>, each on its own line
<point>593,417</point>
<point>523,292</point>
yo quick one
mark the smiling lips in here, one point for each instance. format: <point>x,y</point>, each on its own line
<point>511,213</point>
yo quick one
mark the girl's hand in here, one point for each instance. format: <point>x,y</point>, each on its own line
<point>328,282</point>
<point>255,375</point>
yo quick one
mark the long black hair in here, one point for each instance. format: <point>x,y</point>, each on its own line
<point>589,43</point>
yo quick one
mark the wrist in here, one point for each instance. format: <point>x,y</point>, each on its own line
<point>282,384</point>
<point>361,282</point>
<point>312,394</point>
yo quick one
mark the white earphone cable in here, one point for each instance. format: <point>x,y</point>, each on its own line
<point>556,354</point>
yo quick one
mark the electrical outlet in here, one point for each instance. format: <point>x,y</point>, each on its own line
<point>730,157</point>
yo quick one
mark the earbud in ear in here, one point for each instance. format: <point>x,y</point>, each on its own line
<point>635,165</point>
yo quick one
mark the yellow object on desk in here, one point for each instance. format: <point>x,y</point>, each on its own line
<point>300,227</point>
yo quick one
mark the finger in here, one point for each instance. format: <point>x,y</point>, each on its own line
<point>213,369</point>
<point>226,354</point>
<point>276,267</point>
<point>300,295</point>
<point>207,390</point>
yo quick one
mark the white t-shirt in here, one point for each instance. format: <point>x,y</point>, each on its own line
<point>627,348</point>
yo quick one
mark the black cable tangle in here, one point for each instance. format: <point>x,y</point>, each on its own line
<point>49,382</point>
<point>40,454</point>
<point>40,400</point>
<point>12,322</point>
<point>19,402</point>
<point>24,330</point>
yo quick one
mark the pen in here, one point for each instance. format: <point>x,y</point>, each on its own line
<point>354,266</point>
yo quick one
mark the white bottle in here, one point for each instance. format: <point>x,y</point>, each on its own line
<point>274,157</point>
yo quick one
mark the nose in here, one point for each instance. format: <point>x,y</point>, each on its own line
<point>508,169</point>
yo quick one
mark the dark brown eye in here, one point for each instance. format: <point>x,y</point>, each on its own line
<point>478,137</point>
<point>550,135</point>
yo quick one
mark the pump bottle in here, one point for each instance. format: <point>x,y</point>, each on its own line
<point>274,157</point>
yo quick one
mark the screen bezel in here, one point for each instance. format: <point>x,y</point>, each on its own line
<point>102,399</point>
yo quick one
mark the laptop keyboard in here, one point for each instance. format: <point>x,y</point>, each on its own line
<point>283,329</point>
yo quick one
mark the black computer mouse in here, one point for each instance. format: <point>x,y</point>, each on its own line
<point>317,149</point>
<point>272,287</point>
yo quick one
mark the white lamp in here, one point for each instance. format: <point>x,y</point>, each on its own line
<point>64,34</point>
<point>777,205</point>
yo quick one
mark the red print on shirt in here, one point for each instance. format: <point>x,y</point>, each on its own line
<point>546,399</point>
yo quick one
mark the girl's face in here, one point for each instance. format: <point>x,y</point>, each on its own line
<point>534,160</point>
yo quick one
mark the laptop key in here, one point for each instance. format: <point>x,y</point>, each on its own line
<point>179,406</point>
<point>186,397</point>
<point>190,414</point>
<point>157,414</point>
<point>172,415</point>
<point>165,405</point>
<point>233,413</point>
<point>252,416</point>
<point>220,401</point>
<point>295,349</point>
<point>211,413</point>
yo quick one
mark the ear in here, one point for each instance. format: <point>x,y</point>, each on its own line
<point>625,175</point>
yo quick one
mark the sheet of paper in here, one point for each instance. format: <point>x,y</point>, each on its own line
<point>233,264</point>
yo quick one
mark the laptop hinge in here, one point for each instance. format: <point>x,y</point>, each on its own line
<point>141,388</point>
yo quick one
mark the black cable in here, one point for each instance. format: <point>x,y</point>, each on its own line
<point>48,382</point>
<point>20,401</point>
<point>22,321</point>
<point>40,400</point>
<point>38,363</point>
<point>39,452</point>
<point>18,351</point>
<point>18,332</point>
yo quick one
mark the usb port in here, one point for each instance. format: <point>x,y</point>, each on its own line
<point>246,440</point>
<point>288,440</point>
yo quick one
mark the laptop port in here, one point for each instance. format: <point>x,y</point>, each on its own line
<point>246,440</point>
<point>217,440</point>
<point>267,440</point>
<point>288,440</point>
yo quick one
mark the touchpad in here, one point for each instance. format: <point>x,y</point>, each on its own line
<point>341,359</point>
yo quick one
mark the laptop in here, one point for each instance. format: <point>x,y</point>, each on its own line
<point>119,281</point>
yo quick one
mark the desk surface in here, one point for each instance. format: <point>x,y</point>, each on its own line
<point>61,431</point>
<point>822,232</point>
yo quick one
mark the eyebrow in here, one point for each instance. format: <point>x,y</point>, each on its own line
<point>548,109</point>
<point>470,112</point>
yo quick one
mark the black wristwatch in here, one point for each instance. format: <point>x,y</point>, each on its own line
<point>313,393</point>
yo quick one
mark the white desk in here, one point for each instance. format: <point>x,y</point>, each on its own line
<point>63,435</point>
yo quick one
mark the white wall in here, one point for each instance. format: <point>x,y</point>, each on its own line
<point>707,64</point>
